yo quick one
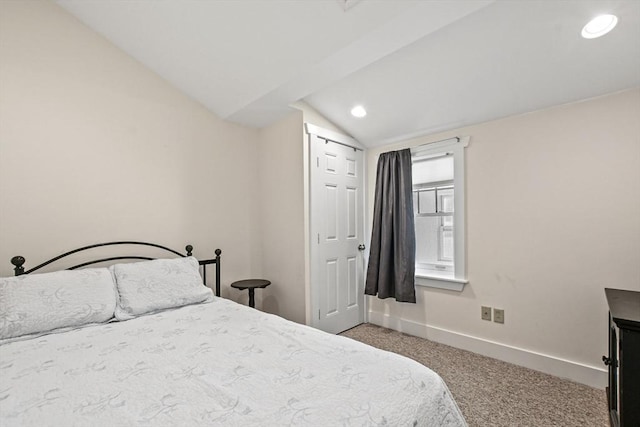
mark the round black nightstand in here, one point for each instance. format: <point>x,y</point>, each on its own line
<point>251,284</point>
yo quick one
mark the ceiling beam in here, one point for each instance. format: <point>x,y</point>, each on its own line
<point>421,20</point>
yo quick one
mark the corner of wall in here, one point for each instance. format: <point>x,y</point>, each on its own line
<point>311,115</point>
<point>280,214</point>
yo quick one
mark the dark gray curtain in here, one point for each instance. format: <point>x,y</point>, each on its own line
<point>392,257</point>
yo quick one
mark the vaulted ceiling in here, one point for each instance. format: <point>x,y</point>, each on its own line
<point>416,66</point>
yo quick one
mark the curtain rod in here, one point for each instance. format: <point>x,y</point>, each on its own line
<point>327,140</point>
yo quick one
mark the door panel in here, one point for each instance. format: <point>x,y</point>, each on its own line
<point>352,283</point>
<point>331,286</point>
<point>352,212</point>
<point>337,228</point>
<point>331,212</point>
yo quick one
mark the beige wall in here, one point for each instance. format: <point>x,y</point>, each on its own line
<point>553,217</point>
<point>95,147</point>
<point>280,211</point>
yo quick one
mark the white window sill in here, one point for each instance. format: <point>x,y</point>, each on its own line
<point>433,279</point>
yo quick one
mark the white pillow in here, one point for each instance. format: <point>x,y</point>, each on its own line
<point>36,303</point>
<point>149,286</point>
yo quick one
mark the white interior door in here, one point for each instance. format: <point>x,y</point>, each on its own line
<point>337,233</point>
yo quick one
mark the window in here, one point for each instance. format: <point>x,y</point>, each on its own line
<point>433,210</point>
<point>438,205</point>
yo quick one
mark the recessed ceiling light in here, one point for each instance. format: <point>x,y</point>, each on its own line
<point>599,26</point>
<point>358,111</point>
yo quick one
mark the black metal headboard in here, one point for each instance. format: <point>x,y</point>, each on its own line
<point>18,261</point>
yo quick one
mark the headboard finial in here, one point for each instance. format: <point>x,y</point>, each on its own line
<point>189,250</point>
<point>218,252</point>
<point>18,262</point>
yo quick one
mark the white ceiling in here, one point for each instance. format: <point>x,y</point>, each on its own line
<point>417,66</point>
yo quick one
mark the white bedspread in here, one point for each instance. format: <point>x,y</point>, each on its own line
<point>214,364</point>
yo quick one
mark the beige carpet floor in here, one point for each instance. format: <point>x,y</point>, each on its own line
<point>492,393</point>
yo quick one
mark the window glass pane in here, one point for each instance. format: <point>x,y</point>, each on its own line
<point>427,229</point>
<point>434,243</point>
<point>427,201</point>
<point>438,169</point>
<point>446,244</point>
<point>445,200</point>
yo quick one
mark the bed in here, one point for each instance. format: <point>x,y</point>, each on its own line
<point>204,360</point>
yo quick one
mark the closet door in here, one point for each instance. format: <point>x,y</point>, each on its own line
<point>337,234</point>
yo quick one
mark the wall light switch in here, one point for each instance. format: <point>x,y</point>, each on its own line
<point>485,313</point>
<point>498,315</point>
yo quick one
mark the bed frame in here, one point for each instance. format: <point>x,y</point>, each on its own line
<point>18,261</point>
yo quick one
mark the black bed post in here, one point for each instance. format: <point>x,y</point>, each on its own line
<point>18,262</point>
<point>218,252</point>
<point>189,250</point>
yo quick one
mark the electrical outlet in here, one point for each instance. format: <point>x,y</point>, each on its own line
<point>486,313</point>
<point>498,315</point>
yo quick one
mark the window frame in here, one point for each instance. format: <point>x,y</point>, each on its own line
<point>456,148</point>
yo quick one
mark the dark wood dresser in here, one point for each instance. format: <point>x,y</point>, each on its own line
<point>623,393</point>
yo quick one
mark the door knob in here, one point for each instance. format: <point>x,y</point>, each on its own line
<point>609,362</point>
<point>361,247</point>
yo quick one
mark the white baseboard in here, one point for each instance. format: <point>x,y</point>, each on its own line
<point>578,372</point>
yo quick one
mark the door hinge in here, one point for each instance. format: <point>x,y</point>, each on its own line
<point>317,162</point>
<point>318,314</point>
<point>318,238</point>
